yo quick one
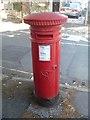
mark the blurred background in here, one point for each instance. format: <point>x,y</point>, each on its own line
<point>17,9</point>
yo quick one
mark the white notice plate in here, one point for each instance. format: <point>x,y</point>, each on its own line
<point>44,53</point>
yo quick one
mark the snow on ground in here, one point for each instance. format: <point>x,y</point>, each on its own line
<point>83,29</point>
<point>80,20</point>
<point>9,26</point>
<point>75,38</point>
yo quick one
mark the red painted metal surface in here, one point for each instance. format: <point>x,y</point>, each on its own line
<point>46,42</point>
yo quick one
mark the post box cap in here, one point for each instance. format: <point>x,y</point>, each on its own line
<point>45,18</point>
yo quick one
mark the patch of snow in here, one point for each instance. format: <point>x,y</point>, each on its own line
<point>66,84</point>
<point>4,84</point>
<point>69,43</point>
<point>9,26</point>
<point>80,29</point>
<point>3,14</point>
<point>10,35</point>
<point>32,78</point>
<point>63,28</point>
<point>80,20</point>
<point>20,83</point>
<point>73,37</point>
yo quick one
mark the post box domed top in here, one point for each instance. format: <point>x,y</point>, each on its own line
<point>45,18</point>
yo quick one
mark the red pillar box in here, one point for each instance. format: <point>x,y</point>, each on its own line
<point>45,32</point>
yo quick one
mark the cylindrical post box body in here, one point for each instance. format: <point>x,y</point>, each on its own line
<point>46,43</point>
<point>46,60</point>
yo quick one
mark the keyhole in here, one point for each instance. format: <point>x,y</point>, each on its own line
<point>54,67</point>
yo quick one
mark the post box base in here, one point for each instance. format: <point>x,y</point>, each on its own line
<point>48,102</point>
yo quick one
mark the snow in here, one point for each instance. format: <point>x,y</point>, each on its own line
<point>75,38</point>
<point>80,20</point>
<point>80,29</point>
<point>9,26</point>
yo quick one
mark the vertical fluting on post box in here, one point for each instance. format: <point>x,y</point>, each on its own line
<point>45,33</point>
